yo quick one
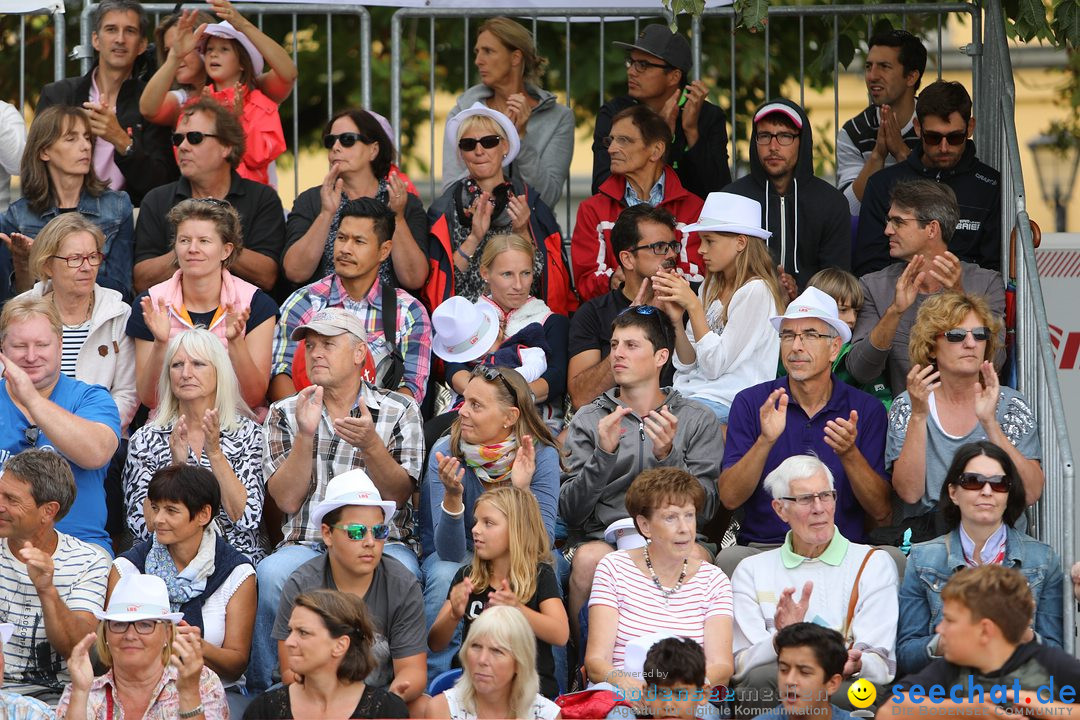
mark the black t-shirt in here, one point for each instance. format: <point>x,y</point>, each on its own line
<point>546,587</point>
<point>590,329</point>
<point>376,702</point>
<point>262,307</point>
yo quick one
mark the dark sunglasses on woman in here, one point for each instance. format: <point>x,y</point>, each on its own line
<point>958,335</point>
<point>487,142</point>
<point>976,481</point>
<point>347,139</point>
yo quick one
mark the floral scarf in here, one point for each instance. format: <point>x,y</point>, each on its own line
<point>493,462</point>
<point>192,581</point>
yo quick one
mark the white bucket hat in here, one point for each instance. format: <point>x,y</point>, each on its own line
<point>624,534</point>
<point>730,213</point>
<point>636,650</point>
<point>139,597</point>
<point>813,303</point>
<point>479,108</point>
<point>225,29</point>
<point>464,331</point>
<point>352,488</point>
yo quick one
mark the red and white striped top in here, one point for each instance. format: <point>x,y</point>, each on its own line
<point>642,608</point>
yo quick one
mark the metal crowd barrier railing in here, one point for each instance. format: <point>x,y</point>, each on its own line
<point>56,10</point>
<point>256,12</point>
<point>1054,517</point>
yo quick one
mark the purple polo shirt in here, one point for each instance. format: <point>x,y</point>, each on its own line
<point>801,436</point>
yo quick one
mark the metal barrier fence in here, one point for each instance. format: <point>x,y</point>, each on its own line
<point>1038,380</point>
<point>59,45</point>
<point>257,11</point>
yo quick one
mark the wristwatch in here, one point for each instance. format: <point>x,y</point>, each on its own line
<point>130,148</point>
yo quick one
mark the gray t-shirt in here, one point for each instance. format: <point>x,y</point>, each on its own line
<point>394,600</point>
<point>1014,414</point>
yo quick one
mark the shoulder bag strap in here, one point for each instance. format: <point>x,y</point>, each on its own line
<point>855,597</point>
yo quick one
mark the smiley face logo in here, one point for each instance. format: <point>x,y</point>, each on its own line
<point>862,693</point>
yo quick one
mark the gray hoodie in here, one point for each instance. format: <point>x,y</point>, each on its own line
<point>593,492</point>
<point>544,159</point>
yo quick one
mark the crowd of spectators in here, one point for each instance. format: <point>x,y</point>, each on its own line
<point>746,434</point>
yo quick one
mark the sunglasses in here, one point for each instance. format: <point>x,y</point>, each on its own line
<point>487,142</point>
<point>958,335</point>
<point>976,481</point>
<point>956,137</point>
<point>357,531</point>
<point>194,137</point>
<point>347,139</point>
<point>492,373</point>
<point>646,310</point>
<point>142,627</point>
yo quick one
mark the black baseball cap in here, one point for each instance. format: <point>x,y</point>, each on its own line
<point>658,40</point>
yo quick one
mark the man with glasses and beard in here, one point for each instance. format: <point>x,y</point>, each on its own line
<point>209,144</point>
<point>946,154</point>
<point>922,215</point>
<point>635,426</point>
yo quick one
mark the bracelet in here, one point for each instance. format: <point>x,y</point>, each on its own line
<point>193,712</point>
<point>458,514</point>
<point>459,251</point>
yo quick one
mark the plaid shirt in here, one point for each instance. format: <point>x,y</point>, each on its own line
<point>413,327</point>
<point>397,421</point>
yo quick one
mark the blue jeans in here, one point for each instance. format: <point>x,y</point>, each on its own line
<point>271,575</point>
<point>719,409</point>
<point>438,574</point>
<point>402,553</point>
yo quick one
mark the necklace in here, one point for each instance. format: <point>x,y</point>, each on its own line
<point>656,580</point>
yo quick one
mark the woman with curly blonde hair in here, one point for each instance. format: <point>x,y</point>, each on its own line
<point>953,397</point>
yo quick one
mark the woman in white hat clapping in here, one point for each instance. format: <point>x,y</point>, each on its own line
<point>484,203</point>
<point>728,345</point>
<point>155,673</point>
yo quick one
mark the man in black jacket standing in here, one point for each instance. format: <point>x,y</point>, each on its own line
<point>808,217</point>
<point>130,153</point>
<point>946,154</point>
<point>657,75</point>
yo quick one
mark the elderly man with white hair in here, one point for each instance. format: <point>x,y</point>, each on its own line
<point>818,576</point>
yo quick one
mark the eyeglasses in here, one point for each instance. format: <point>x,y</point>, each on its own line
<point>956,137</point>
<point>214,201</point>
<point>958,335</point>
<point>660,248</point>
<point>783,139</point>
<point>357,531</point>
<point>622,140</point>
<point>976,481</point>
<point>643,65</point>
<point>788,336</point>
<point>194,137</point>
<point>827,497</point>
<point>487,142</point>
<point>76,261</point>
<point>143,627</point>
<point>899,221</point>
<point>347,139</point>
<point>491,373</point>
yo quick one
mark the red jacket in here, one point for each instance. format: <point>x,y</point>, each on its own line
<point>590,247</point>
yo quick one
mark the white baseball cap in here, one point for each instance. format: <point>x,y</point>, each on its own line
<point>478,108</point>
<point>730,213</point>
<point>814,303</point>
<point>352,488</point>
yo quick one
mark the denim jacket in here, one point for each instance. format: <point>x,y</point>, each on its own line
<point>933,562</point>
<point>112,212</point>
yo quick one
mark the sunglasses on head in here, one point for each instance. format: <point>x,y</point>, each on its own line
<point>976,481</point>
<point>357,531</point>
<point>194,137</point>
<point>956,137</point>
<point>487,142</point>
<point>347,139</point>
<point>958,335</point>
<point>646,310</point>
<point>492,373</point>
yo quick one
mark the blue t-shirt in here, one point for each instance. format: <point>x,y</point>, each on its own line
<point>86,518</point>
<point>803,435</point>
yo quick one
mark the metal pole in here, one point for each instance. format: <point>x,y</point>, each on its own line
<point>59,45</point>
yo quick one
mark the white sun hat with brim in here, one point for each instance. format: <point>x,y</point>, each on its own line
<point>6,631</point>
<point>624,534</point>
<point>814,303</point>
<point>478,108</point>
<point>139,597</point>
<point>352,488</point>
<point>636,650</point>
<point>464,331</point>
<point>730,213</point>
<point>225,29</point>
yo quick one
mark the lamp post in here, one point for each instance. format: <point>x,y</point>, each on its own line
<point>1056,161</point>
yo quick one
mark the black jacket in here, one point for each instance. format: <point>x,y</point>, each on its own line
<point>811,224</point>
<point>978,193</point>
<point>151,162</point>
<point>702,169</point>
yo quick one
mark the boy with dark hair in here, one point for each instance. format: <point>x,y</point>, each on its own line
<point>987,610</point>
<point>634,426</point>
<point>810,668</point>
<point>674,675</point>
